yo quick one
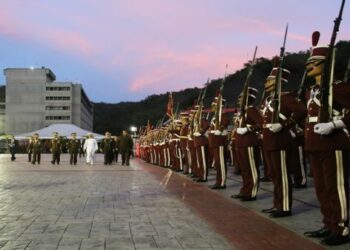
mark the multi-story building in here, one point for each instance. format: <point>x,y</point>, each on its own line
<point>35,100</point>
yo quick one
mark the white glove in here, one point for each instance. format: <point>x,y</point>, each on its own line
<point>217,132</point>
<point>275,127</point>
<point>327,128</point>
<point>197,134</point>
<point>242,131</point>
<point>292,133</point>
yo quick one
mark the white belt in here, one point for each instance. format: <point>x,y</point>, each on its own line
<point>267,125</point>
<point>314,119</point>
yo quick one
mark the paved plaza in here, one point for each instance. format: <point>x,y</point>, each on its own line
<point>139,207</point>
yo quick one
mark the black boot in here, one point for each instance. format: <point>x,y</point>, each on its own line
<point>335,239</point>
<point>323,232</point>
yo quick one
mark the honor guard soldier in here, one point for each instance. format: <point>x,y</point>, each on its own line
<point>183,141</point>
<point>233,138</point>
<point>201,143</point>
<point>247,146</point>
<point>36,148</point>
<point>108,147</point>
<point>56,148</point>
<point>328,148</point>
<point>175,150</point>
<point>161,147</point>
<point>192,155</point>
<point>218,141</point>
<point>73,148</point>
<point>277,140</point>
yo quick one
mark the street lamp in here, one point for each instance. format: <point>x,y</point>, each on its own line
<point>133,129</point>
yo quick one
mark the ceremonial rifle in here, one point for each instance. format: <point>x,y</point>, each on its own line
<point>200,108</point>
<point>346,75</point>
<point>194,115</point>
<point>326,109</point>
<point>176,110</point>
<point>218,109</point>
<point>301,90</point>
<point>276,100</point>
<point>245,92</point>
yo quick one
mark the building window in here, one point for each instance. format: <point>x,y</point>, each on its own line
<point>57,98</point>
<point>57,117</point>
<point>2,106</point>
<point>57,107</point>
<point>57,88</point>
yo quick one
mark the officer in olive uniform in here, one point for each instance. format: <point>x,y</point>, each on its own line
<point>125,147</point>
<point>73,148</point>
<point>108,146</point>
<point>12,144</point>
<point>56,149</point>
<point>328,148</point>
<point>36,148</point>
<point>30,148</point>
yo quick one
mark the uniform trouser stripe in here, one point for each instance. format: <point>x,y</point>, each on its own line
<point>189,161</point>
<point>151,154</point>
<point>231,155</point>
<point>302,168</point>
<point>168,152</point>
<point>204,162</point>
<point>198,165</point>
<point>165,159</point>
<point>222,165</point>
<point>284,181</point>
<point>253,170</point>
<point>340,186</point>
<point>180,158</point>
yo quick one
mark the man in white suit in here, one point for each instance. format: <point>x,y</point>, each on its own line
<point>90,147</point>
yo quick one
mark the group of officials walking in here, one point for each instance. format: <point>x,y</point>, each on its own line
<point>110,146</point>
<point>275,136</point>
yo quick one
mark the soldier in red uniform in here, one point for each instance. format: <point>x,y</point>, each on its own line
<point>218,141</point>
<point>247,148</point>
<point>201,144</point>
<point>277,142</point>
<point>192,156</point>
<point>235,163</point>
<point>183,141</point>
<point>328,148</point>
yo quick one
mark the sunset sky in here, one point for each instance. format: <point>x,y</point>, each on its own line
<point>125,50</point>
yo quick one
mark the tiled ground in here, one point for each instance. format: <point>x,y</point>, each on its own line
<point>139,207</point>
<point>84,207</point>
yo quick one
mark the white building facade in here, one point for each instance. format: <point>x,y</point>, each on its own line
<point>35,100</point>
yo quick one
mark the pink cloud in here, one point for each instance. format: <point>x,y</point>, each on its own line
<point>57,38</point>
<point>181,70</point>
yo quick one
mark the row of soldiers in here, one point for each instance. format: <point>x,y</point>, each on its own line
<point>35,147</point>
<point>195,142</point>
<point>109,146</point>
